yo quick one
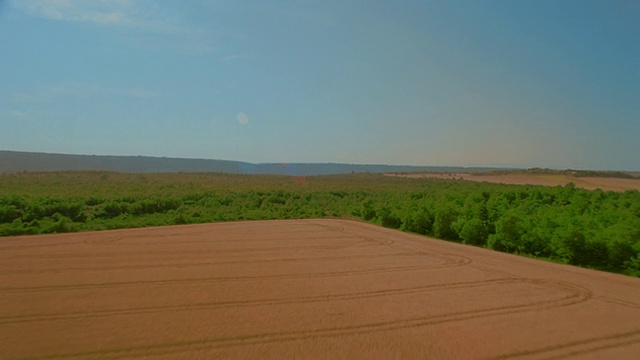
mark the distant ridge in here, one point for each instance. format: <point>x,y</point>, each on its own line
<point>17,161</point>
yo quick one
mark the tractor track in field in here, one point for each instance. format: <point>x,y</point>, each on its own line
<point>447,263</point>
<point>576,348</point>
<point>257,302</point>
<point>575,295</point>
<point>323,288</point>
<point>206,263</point>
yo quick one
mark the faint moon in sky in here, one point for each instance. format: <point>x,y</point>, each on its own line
<point>242,118</point>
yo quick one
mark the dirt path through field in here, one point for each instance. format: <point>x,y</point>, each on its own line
<point>327,289</point>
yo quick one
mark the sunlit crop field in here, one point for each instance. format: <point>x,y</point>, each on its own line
<point>301,289</point>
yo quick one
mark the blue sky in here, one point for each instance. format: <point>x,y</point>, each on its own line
<point>499,83</point>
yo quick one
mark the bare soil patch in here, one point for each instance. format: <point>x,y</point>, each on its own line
<point>328,289</point>
<point>589,183</point>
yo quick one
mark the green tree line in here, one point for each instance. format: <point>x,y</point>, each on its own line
<point>594,229</point>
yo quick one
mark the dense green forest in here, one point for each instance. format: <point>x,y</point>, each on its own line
<point>594,229</point>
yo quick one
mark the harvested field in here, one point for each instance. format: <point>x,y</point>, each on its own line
<point>588,183</point>
<point>301,289</point>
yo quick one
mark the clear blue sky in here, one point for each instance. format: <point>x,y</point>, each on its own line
<point>480,82</point>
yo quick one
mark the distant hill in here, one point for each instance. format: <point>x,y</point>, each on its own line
<point>15,161</point>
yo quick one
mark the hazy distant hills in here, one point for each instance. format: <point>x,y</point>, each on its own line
<point>15,161</point>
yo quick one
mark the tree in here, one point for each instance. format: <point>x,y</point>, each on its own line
<point>443,227</point>
<point>473,232</point>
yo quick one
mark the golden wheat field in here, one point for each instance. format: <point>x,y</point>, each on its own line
<point>325,289</point>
